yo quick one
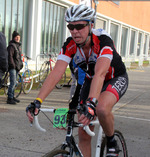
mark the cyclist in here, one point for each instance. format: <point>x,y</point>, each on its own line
<point>106,79</point>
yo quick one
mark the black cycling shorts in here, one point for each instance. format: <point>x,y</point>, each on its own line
<point>117,86</point>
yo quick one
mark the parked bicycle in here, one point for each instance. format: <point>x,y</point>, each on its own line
<point>70,148</point>
<point>24,81</point>
<point>6,83</point>
<point>46,68</point>
<point>27,76</point>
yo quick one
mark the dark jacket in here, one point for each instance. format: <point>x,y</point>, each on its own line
<point>3,53</point>
<point>14,55</point>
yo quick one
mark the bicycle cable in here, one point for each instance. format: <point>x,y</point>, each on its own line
<point>51,120</point>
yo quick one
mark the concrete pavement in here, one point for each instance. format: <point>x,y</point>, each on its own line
<point>132,118</point>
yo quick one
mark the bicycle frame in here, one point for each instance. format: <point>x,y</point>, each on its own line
<point>70,141</point>
<point>50,63</point>
<point>26,68</point>
<point>3,81</point>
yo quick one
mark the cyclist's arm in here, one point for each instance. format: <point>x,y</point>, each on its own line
<point>49,84</point>
<point>53,78</point>
<point>101,68</point>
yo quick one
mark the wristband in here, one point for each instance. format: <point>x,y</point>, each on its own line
<point>39,99</point>
<point>93,101</point>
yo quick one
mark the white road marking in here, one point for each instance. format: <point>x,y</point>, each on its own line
<point>133,118</point>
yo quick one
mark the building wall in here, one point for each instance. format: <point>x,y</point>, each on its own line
<point>134,13</point>
<point>131,34</point>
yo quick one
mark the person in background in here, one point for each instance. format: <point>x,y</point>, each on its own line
<point>3,57</point>
<point>15,65</point>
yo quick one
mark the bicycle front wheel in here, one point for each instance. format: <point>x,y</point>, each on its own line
<point>61,83</point>
<point>27,81</point>
<point>121,143</point>
<point>44,70</point>
<point>57,153</point>
<point>18,86</point>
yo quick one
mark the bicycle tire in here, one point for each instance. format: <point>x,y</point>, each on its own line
<point>121,143</point>
<point>18,87</point>
<point>27,81</point>
<point>61,83</point>
<point>44,70</point>
<point>57,153</point>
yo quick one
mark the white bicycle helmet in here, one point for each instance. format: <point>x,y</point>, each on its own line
<point>79,12</point>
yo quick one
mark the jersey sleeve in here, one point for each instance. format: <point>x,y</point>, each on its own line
<point>68,50</point>
<point>106,47</point>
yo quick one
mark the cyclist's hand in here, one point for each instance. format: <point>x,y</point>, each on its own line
<point>33,109</point>
<point>88,111</point>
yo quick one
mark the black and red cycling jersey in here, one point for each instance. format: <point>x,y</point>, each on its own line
<point>101,46</point>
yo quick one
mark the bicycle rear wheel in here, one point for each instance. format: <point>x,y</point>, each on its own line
<point>27,81</point>
<point>57,153</point>
<point>121,143</point>
<point>61,83</point>
<point>44,70</point>
<point>18,87</point>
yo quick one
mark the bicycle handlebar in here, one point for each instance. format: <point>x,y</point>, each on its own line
<point>86,128</point>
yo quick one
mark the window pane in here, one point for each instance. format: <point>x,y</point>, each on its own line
<point>116,2</point>
<point>52,30</point>
<point>139,44</point>
<point>145,41</point>
<point>123,41</point>
<point>46,29</point>
<point>2,6</point>
<point>43,26</point>
<point>100,24</point>
<point>14,15</point>
<point>114,33</point>
<point>132,44</point>
<point>60,28</point>
<point>20,18</point>
<point>8,21</point>
<point>149,47</point>
<point>51,26</point>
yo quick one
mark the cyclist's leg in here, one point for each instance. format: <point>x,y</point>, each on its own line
<point>103,110</point>
<point>85,142</point>
<point>111,93</point>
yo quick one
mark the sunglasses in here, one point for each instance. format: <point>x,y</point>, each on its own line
<point>77,27</point>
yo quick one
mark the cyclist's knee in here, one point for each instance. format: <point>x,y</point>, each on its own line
<point>102,110</point>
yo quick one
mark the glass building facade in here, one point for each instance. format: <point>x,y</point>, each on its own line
<point>43,29</point>
<point>52,27</point>
<point>13,16</point>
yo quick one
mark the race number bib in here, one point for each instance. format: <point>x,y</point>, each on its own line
<point>60,117</point>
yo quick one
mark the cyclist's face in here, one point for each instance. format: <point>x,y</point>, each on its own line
<point>80,33</point>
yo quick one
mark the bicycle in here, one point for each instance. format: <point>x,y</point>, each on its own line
<point>69,148</point>
<point>27,76</point>
<point>46,68</point>
<point>24,81</point>
<point>6,83</point>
